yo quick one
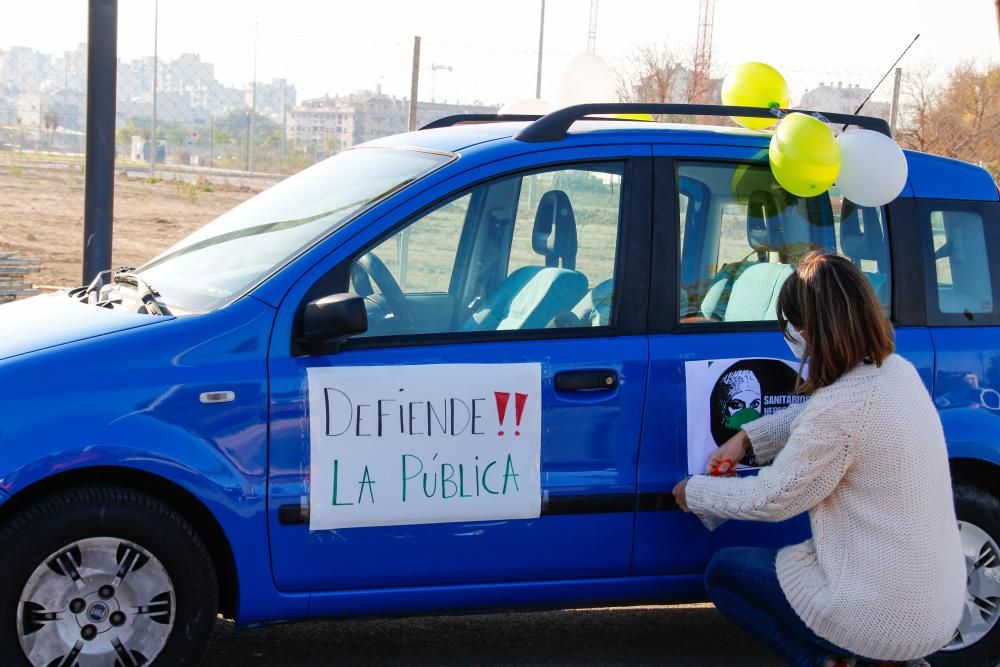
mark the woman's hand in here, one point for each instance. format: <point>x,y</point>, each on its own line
<point>680,495</point>
<point>733,449</point>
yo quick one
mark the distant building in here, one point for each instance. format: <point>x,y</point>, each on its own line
<point>273,99</point>
<point>842,99</point>
<point>72,66</point>
<point>24,70</point>
<point>337,123</point>
<point>56,109</point>
<point>673,85</point>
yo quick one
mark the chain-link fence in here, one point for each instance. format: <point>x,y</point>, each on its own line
<point>192,141</point>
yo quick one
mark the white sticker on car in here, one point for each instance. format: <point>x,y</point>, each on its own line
<point>396,445</point>
<point>725,394</point>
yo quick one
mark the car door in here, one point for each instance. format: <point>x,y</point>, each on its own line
<point>961,244</point>
<point>726,237</point>
<point>486,427</point>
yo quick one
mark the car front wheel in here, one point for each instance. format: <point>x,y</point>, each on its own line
<point>104,576</point>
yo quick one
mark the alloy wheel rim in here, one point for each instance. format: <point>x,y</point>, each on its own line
<point>97,601</point>
<point>982,599</point>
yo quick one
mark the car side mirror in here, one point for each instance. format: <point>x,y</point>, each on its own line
<point>330,320</point>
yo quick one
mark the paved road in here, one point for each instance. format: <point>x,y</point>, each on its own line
<point>678,636</point>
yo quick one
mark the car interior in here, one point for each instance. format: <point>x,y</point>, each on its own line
<point>740,243</point>
<point>516,265</point>
<point>960,262</point>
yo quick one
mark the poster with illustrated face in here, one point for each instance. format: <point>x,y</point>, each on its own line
<point>725,394</point>
<point>396,445</point>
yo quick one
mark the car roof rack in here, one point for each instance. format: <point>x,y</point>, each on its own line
<point>554,126</point>
<point>470,118</point>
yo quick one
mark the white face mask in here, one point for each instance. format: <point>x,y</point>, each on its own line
<point>797,344</point>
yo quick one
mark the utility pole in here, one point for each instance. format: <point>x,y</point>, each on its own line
<point>541,42</point>
<point>99,181</point>
<point>414,81</point>
<point>284,118</point>
<point>253,104</point>
<point>895,100</point>
<point>211,141</point>
<point>156,67</point>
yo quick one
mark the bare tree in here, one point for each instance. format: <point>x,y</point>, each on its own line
<point>920,95</point>
<point>957,117</point>
<point>654,73</point>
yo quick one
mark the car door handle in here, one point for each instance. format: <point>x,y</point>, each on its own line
<point>587,380</point>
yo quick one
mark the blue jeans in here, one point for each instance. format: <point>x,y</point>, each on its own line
<point>743,584</point>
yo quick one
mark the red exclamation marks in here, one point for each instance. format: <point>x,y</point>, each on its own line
<point>503,397</point>
<point>519,401</point>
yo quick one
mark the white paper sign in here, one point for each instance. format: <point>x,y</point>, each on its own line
<point>724,394</point>
<point>394,445</point>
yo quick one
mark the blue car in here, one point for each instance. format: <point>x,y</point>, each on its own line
<point>458,369</point>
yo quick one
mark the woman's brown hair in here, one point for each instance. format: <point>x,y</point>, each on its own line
<point>833,303</point>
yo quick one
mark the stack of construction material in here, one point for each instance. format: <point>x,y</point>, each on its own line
<point>14,272</point>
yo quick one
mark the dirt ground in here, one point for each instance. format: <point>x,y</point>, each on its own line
<point>41,215</point>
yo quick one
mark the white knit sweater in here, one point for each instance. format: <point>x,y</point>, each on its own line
<point>883,575</point>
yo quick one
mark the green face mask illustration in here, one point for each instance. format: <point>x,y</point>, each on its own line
<point>736,420</point>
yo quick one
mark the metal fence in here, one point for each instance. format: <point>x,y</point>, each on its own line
<point>14,276</point>
<point>192,141</point>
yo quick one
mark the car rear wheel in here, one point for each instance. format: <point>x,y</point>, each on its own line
<point>977,640</point>
<point>104,576</point>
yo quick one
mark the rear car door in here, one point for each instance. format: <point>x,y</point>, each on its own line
<point>726,236</point>
<point>486,427</point>
<point>961,244</point>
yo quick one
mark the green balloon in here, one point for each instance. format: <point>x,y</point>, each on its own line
<point>756,183</point>
<point>804,155</point>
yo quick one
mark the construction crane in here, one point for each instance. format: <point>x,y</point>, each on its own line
<point>700,89</point>
<point>592,30</point>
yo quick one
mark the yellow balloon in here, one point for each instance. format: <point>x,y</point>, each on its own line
<point>755,85</point>
<point>804,155</point>
<point>634,116</point>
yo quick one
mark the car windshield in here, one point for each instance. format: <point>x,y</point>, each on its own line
<point>237,250</point>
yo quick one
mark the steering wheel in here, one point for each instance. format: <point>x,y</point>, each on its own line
<point>393,304</point>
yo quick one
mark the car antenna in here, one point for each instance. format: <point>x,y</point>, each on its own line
<point>865,101</point>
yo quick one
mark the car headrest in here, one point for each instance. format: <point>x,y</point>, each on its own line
<point>554,234</point>
<point>860,233</point>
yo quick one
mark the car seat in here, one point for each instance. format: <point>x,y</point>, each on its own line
<point>755,292</point>
<point>531,296</point>
<point>594,309</point>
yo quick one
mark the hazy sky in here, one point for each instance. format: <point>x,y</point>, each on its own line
<point>336,46</point>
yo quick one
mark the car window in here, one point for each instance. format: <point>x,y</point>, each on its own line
<point>961,266</point>
<point>237,250</point>
<point>595,200</point>
<point>421,257</point>
<point>526,252</point>
<point>744,235</point>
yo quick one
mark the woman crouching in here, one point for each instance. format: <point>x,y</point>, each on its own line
<point>883,576</point>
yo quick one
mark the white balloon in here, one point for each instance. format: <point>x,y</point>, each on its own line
<point>873,168</point>
<point>529,106</point>
<point>587,79</point>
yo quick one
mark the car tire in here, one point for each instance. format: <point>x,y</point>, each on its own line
<point>978,514</point>
<point>108,573</point>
